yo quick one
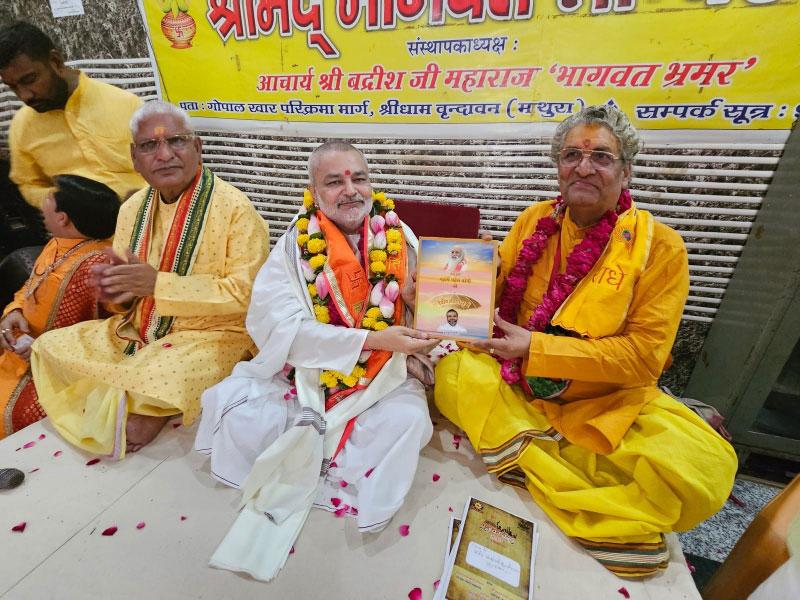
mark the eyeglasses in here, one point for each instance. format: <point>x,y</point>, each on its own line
<point>572,157</point>
<point>175,142</point>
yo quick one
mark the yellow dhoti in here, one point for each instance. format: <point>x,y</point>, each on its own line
<point>669,472</point>
<point>85,379</point>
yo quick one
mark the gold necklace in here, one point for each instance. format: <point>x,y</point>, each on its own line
<point>33,285</point>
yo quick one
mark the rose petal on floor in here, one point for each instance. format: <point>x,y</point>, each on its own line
<point>19,527</point>
<point>415,594</point>
<point>449,509</point>
<point>404,530</point>
<point>57,453</point>
<point>624,592</point>
<point>29,445</point>
<point>42,436</point>
<point>339,512</point>
<point>33,470</point>
<point>333,465</point>
<point>140,525</point>
<point>342,483</point>
<point>436,477</point>
<point>291,550</point>
<point>436,584</point>
<point>183,517</point>
<point>368,473</point>
<point>94,461</point>
<point>109,530</point>
<point>336,501</point>
<point>456,441</point>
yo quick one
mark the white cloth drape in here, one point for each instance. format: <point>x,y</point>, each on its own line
<point>274,444</point>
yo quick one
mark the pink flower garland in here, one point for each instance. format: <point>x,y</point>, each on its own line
<point>579,262</point>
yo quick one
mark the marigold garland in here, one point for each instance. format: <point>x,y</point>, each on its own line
<point>387,241</point>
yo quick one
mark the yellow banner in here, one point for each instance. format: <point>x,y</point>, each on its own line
<point>440,64</point>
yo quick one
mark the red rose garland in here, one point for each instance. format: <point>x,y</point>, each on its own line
<point>579,262</point>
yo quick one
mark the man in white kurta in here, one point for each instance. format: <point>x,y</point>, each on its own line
<point>272,437</point>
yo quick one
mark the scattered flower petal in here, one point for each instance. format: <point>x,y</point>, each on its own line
<point>94,461</point>
<point>436,584</point>
<point>404,530</point>
<point>333,465</point>
<point>167,345</point>
<point>42,436</point>
<point>140,525</point>
<point>368,473</point>
<point>19,527</point>
<point>449,509</point>
<point>342,483</point>
<point>183,517</point>
<point>436,477</point>
<point>176,425</point>
<point>339,512</point>
<point>624,592</point>
<point>456,441</point>
<point>29,445</point>
<point>689,565</point>
<point>57,453</point>
<point>336,501</point>
<point>291,550</point>
<point>353,510</point>
<point>110,530</point>
<point>33,470</point>
<point>415,594</point>
<point>18,449</point>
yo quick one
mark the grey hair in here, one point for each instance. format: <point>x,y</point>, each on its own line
<point>159,107</point>
<point>602,114</point>
<point>327,148</point>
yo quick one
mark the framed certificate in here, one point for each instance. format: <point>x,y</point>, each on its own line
<point>455,288</point>
<point>493,556</point>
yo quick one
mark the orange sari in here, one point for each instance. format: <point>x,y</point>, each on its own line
<point>47,301</point>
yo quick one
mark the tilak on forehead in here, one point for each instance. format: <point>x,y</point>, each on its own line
<point>160,130</point>
<point>347,172</point>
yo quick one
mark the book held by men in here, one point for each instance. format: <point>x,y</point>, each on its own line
<point>455,288</point>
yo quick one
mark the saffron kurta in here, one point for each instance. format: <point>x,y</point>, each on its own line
<point>87,385</point>
<point>613,459</point>
<point>62,298</point>
<point>89,137</point>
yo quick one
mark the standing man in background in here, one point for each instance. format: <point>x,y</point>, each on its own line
<point>71,124</point>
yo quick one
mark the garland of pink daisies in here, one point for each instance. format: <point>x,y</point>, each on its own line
<point>579,262</point>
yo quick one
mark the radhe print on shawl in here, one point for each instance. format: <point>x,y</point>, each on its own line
<point>455,287</point>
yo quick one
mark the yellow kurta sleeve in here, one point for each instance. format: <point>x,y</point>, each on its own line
<point>25,171</point>
<point>247,246</point>
<point>638,353</point>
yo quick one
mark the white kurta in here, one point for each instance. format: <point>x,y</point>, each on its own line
<point>273,439</point>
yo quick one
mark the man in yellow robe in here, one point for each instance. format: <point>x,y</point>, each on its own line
<point>187,250</point>
<point>71,124</point>
<point>81,216</point>
<point>592,289</point>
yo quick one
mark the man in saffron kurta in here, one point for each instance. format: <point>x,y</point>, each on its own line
<point>187,250</point>
<point>70,124</point>
<point>611,459</point>
<point>327,413</point>
<point>80,215</point>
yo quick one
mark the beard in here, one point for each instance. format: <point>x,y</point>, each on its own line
<point>57,97</point>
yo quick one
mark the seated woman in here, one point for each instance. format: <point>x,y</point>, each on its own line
<point>590,294</point>
<point>81,215</point>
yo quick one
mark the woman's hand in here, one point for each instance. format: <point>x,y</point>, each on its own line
<point>515,344</point>
<point>13,320</point>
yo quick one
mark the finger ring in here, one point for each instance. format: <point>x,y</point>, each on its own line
<point>4,330</point>
<point>491,350</point>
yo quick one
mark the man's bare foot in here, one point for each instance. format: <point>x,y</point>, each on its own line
<point>141,430</point>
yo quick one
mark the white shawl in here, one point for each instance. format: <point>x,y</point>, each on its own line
<point>280,489</point>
